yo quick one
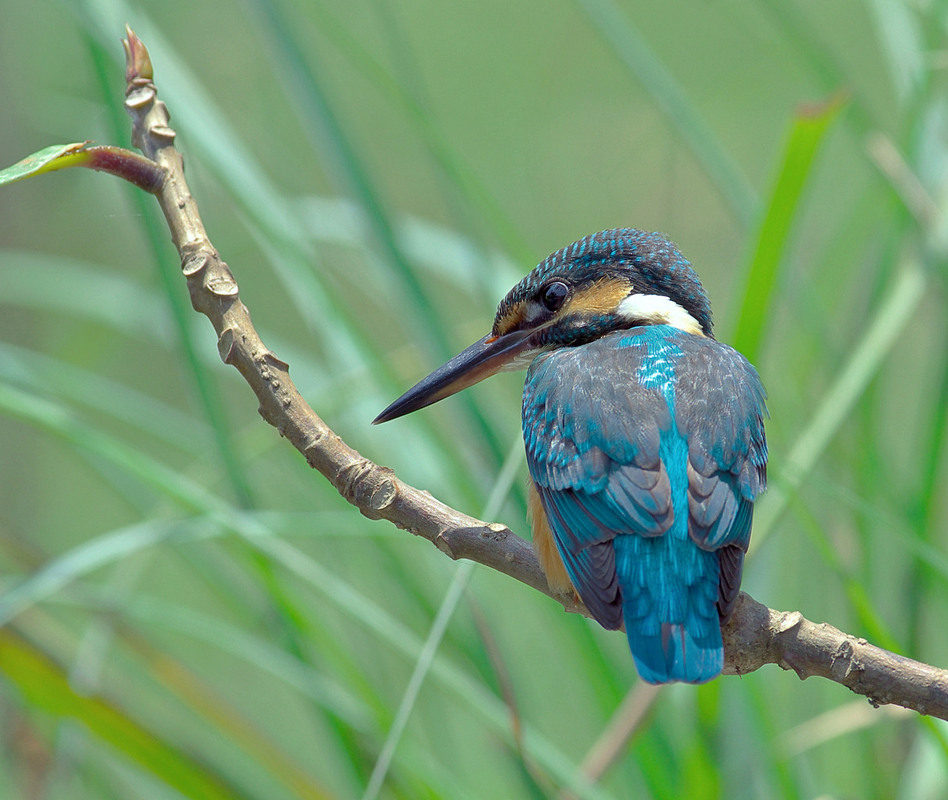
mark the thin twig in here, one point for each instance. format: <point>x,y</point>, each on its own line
<point>615,737</point>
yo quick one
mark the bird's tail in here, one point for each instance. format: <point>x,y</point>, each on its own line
<point>669,603</point>
<point>676,653</point>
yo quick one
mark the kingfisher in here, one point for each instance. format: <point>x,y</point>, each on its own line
<point>644,440</point>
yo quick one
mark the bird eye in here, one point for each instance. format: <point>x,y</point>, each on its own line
<point>554,295</point>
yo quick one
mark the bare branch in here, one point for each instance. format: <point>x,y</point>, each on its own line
<point>756,635</point>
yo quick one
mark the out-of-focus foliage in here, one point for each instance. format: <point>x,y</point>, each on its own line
<point>187,609</point>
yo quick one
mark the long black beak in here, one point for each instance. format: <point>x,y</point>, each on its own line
<point>481,360</point>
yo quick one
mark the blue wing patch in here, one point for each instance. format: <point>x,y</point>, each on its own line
<point>647,450</point>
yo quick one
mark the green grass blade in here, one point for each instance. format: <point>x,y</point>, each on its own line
<point>213,139</point>
<point>897,26</point>
<point>46,686</point>
<point>449,603</point>
<point>42,375</point>
<point>867,357</point>
<point>88,557</point>
<point>620,33</point>
<point>807,132</point>
<point>280,231</point>
<point>318,114</point>
<point>89,441</point>
<point>342,595</point>
<point>392,631</point>
<point>460,177</point>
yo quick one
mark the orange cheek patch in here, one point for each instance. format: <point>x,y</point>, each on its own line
<point>602,297</point>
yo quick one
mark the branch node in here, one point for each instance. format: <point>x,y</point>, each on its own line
<point>276,363</point>
<point>497,532</point>
<point>802,672</point>
<point>789,621</point>
<point>140,94</point>
<point>194,261</point>
<point>270,368</point>
<point>223,283</point>
<point>226,343</point>
<point>164,132</point>
<point>444,545</point>
<point>369,487</point>
<point>843,662</point>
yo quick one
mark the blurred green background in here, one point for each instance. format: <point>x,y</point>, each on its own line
<point>188,610</point>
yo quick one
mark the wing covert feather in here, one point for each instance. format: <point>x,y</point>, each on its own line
<point>593,437</point>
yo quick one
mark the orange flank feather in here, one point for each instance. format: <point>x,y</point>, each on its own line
<point>544,546</point>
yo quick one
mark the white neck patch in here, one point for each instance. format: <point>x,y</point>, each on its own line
<point>656,309</point>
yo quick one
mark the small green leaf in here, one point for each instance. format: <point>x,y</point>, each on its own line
<point>57,156</point>
<point>138,170</point>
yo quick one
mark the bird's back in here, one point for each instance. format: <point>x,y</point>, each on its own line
<point>646,448</point>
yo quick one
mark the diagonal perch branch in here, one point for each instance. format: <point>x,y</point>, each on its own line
<point>756,635</point>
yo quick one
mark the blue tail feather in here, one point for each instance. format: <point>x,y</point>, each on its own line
<point>675,654</point>
<point>669,593</point>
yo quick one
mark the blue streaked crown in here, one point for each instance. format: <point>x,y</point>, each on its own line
<point>648,260</point>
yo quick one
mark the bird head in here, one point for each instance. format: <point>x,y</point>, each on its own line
<point>608,281</point>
